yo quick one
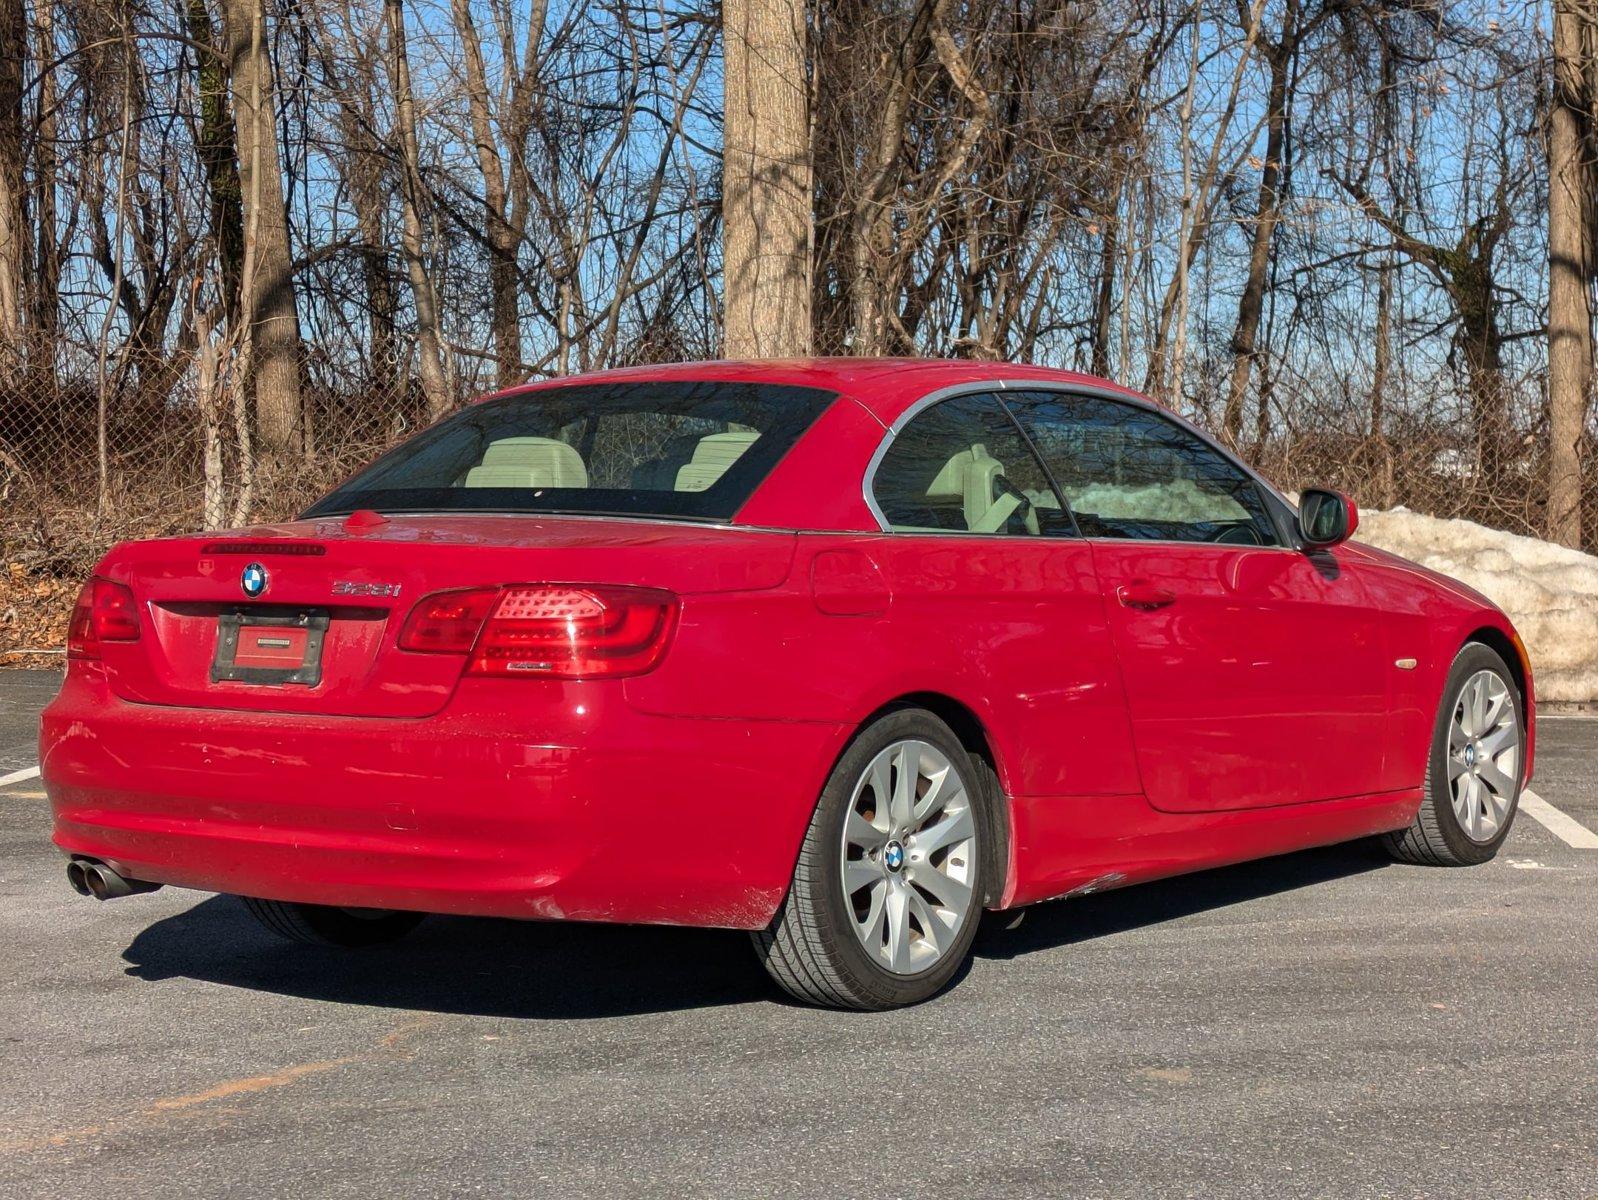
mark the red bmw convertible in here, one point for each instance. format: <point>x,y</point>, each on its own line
<point>838,652</point>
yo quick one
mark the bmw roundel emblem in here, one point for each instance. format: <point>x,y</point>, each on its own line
<point>254,580</point>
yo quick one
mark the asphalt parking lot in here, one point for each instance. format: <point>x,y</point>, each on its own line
<point>1322,1025</point>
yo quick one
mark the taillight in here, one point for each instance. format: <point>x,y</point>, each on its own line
<point>447,622</point>
<point>104,612</point>
<point>547,631</point>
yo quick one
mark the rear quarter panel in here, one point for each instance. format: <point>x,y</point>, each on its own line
<point>1013,629</point>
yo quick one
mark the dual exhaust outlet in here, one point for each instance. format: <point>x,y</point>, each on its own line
<point>90,877</point>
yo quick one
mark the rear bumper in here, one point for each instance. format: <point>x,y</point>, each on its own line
<point>575,807</point>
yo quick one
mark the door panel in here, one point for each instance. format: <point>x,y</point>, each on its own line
<point>1257,682</point>
<point>1018,625</point>
<point>993,592</point>
<point>1253,672</point>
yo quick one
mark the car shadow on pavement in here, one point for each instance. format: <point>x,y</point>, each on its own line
<point>1083,918</point>
<point>559,971</point>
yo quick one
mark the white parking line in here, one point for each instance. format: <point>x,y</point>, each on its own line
<point>19,776</point>
<point>1567,829</point>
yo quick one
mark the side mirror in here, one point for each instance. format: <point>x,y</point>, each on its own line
<point>1326,518</point>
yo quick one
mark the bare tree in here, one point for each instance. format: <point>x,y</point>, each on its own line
<point>766,180</point>
<point>14,256</point>
<point>274,316</point>
<point>1281,55</point>
<point>1571,182</point>
<point>413,191</point>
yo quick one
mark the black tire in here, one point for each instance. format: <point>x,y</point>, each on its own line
<point>810,948</point>
<point>324,925</point>
<point>1435,837</point>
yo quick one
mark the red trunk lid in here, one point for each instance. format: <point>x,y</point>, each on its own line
<point>207,643</point>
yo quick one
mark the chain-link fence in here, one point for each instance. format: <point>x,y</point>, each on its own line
<point>82,467</point>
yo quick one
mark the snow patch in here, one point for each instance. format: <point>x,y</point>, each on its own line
<point>1549,592</point>
<point>1179,500</point>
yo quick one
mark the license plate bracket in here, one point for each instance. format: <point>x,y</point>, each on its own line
<point>250,643</point>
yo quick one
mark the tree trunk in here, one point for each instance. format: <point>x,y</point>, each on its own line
<point>429,347</point>
<point>503,240</point>
<point>1252,302</point>
<point>1570,339</point>
<point>1482,343</point>
<point>1104,302</point>
<point>13,217</point>
<point>218,153</point>
<point>1381,381</point>
<point>47,256</point>
<point>766,181</point>
<point>274,319</point>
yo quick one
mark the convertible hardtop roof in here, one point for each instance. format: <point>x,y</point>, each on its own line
<point>884,386</point>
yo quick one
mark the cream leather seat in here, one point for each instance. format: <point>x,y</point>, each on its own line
<point>528,462</point>
<point>714,454</point>
<point>971,476</point>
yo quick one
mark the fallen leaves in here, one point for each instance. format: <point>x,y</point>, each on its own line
<point>34,611</point>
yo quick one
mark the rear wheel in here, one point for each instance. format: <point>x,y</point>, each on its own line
<point>1475,768</point>
<point>325,925</point>
<point>888,890</point>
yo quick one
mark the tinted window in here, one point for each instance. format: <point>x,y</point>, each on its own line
<point>1128,472</point>
<point>686,449</point>
<point>961,466</point>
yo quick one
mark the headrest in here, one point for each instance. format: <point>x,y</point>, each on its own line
<point>712,456</point>
<point>529,462</point>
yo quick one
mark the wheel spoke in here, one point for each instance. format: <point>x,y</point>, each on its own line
<point>1462,802</point>
<point>1487,771</point>
<point>860,832</point>
<point>948,891</point>
<point>860,873</point>
<point>907,772</point>
<point>1456,768</point>
<point>1478,706</point>
<point>1499,740</point>
<point>869,927</point>
<point>880,779</point>
<point>1494,807</point>
<point>944,789</point>
<point>1496,704</point>
<point>954,828</point>
<point>1466,809</point>
<point>932,926</point>
<point>1478,808</point>
<point>897,915</point>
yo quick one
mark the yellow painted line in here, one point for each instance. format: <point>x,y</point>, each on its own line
<point>396,1044</point>
<point>1563,826</point>
<point>243,1087</point>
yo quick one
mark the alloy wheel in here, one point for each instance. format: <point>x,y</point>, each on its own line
<point>1483,755</point>
<point>909,856</point>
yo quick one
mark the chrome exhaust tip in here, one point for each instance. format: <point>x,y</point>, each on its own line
<point>91,878</point>
<point>78,877</point>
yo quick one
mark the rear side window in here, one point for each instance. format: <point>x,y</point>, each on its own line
<point>1128,472</point>
<point>673,449</point>
<point>961,466</point>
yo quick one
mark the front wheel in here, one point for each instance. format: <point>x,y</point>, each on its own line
<point>325,925</point>
<point>1475,769</point>
<point>888,890</point>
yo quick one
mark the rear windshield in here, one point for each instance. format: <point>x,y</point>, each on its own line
<point>678,449</point>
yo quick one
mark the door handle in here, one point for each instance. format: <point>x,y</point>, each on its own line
<point>1141,593</point>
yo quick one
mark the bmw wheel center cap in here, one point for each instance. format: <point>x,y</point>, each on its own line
<point>253,580</point>
<point>893,856</point>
